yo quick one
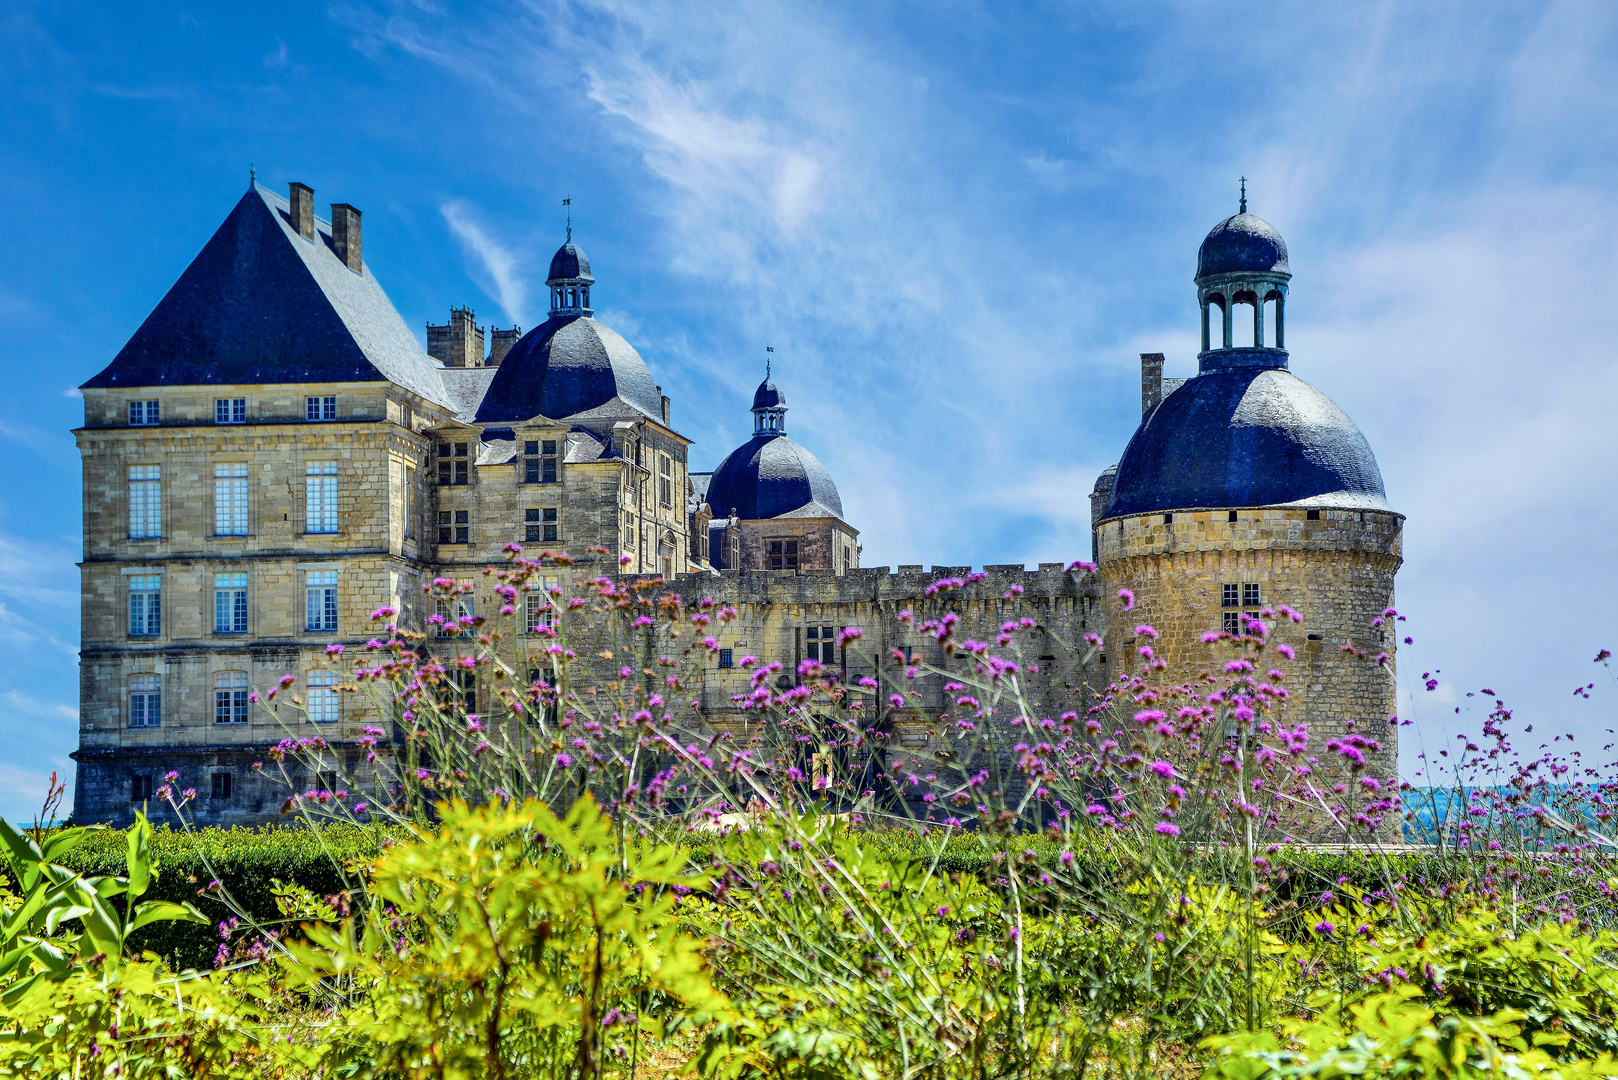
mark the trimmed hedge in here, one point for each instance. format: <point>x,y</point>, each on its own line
<point>247,863</point>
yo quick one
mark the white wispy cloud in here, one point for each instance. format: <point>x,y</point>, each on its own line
<point>501,266</point>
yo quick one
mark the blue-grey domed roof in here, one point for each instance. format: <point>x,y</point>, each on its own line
<point>768,476</point>
<point>1243,243</point>
<point>568,264</point>
<point>1243,436</point>
<point>769,396</point>
<point>567,365</point>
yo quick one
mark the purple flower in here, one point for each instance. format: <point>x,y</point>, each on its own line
<point>1167,828</point>
<point>564,760</point>
<point>334,650</point>
<point>1163,768</point>
<point>1128,598</point>
<point>1325,928</point>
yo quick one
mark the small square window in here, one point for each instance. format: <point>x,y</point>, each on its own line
<point>222,784</point>
<point>1313,515</point>
<point>143,413</point>
<point>230,410</point>
<point>1233,622</point>
<point>1232,515</point>
<point>1250,595</point>
<point>1168,519</point>
<point>463,534</point>
<point>530,515</point>
<point>727,658</point>
<point>1232,596</point>
<point>320,408</point>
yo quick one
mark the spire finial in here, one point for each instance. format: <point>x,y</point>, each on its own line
<point>569,204</point>
<point>767,349</point>
<point>1244,195</point>
<point>252,174</point>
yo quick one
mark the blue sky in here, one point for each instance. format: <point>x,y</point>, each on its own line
<point>957,223</point>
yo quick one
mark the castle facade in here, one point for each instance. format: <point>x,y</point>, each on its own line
<point>273,456</point>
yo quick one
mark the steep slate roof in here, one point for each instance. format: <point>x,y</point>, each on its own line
<point>465,388</point>
<point>771,476</point>
<point>567,366</point>
<point>260,304</point>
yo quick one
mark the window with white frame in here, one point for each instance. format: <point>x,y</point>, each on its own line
<point>230,697</point>
<point>230,410</point>
<point>230,603</point>
<point>454,609</point>
<point>821,643</point>
<point>320,497</point>
<point>145,605</point>
<point>146,701</point>
<point>538,611</point>
<point>320,600</point>
<point>320,408</point>
<point>540,525</point>
<point>145,502</point>
<point>323,697</point>
<point>143,413</point>
<point>665,480</point>
<point>230,499</point>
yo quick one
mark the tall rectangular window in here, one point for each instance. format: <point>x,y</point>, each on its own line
<point>453,609</point>
<point>320,497</point>
<point>230,697</point>
<point>452,464</point>
<point>1233,621</point>
<point>537,612</point>
<point>146,701</point>
<point>222,786</point>
<point>822,644</point>
<point>230,499</point>
<point>145,502</point>
<point>1230,596</point>
<point>1250,594</point>
<point>140,787</point>
<point>320,408</point>
<point>783,555</point>
<point>540,525</point>
<point>320,600</point>
<point>143,413</point>
<point>145,605</point>
<point>727,658</point>
<point>230,603</point>
<point>230,410</point>
<point>665,480</point>
<point>539,462</point>
<point>412,507</point>
<point>323,697</point>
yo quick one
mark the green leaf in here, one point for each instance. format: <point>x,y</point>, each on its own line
<point>140,856</point>
<point>165,911</point>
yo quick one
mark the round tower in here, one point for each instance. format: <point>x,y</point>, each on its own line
<point>1245,488</point>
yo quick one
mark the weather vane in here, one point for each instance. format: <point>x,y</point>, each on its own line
<point>569,203</point>
<point>1244,194</point>
<point>768,349</point>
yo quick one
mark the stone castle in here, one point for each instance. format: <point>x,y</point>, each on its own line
<point>273,456</point>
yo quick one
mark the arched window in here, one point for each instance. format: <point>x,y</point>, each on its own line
<point>230,697</point>
<point>584,296</point>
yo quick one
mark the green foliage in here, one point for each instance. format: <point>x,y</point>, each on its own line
<point>509,943</point>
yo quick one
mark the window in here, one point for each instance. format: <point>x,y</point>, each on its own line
<point>454,527</point>
<point>140,787</point>
<point>230,410</point>
<point>540,525</point>
<point>320,408</point>
<point>145,605</point>
<point>1231,593</point>
<point>146,701</point>
<point>230,603</point>
<point>320,497</point>
<point>1232,515</point>
<point>221,786</point>
<point>464,685</point>
<point>1250,594</point>
<point>320,600</point>
<point>1233,622</point>
<point>145,502</point>
<point>323,697</point>
<point>412,508</point>
<point>230,697</point>
<point>822,644</point>
<point>454,609</point>
<point>452,468</point>
<point>143,414</point>
<point>230,499</point>
<point>537,612</point>
<point>665,480</point>
<point>1313,515</point>
<point>727,658</point>
<point>783,554</point>
<point>910,653</point>
<point>1168,519</point>
<point>539,462</point>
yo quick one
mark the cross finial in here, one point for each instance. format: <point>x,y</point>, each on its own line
<point>569,204</point>
<point>1244,194</point>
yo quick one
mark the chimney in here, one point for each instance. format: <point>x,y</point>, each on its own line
<point>345,235</point>
<point>500,343</point>
<point>1151,382</point>
<point>458,343</point>
<point>303,210</point>
<point>665,398</point>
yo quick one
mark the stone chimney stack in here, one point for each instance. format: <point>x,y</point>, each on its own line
<point>345,235</point>
<point>303,210</point>
<point>459,343</point>
<point>1151,381</point>
<point>500,343</point>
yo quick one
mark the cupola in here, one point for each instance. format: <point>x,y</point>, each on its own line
<point>570,280</point>
<point>769,407</point>
<point>1243,261</point>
